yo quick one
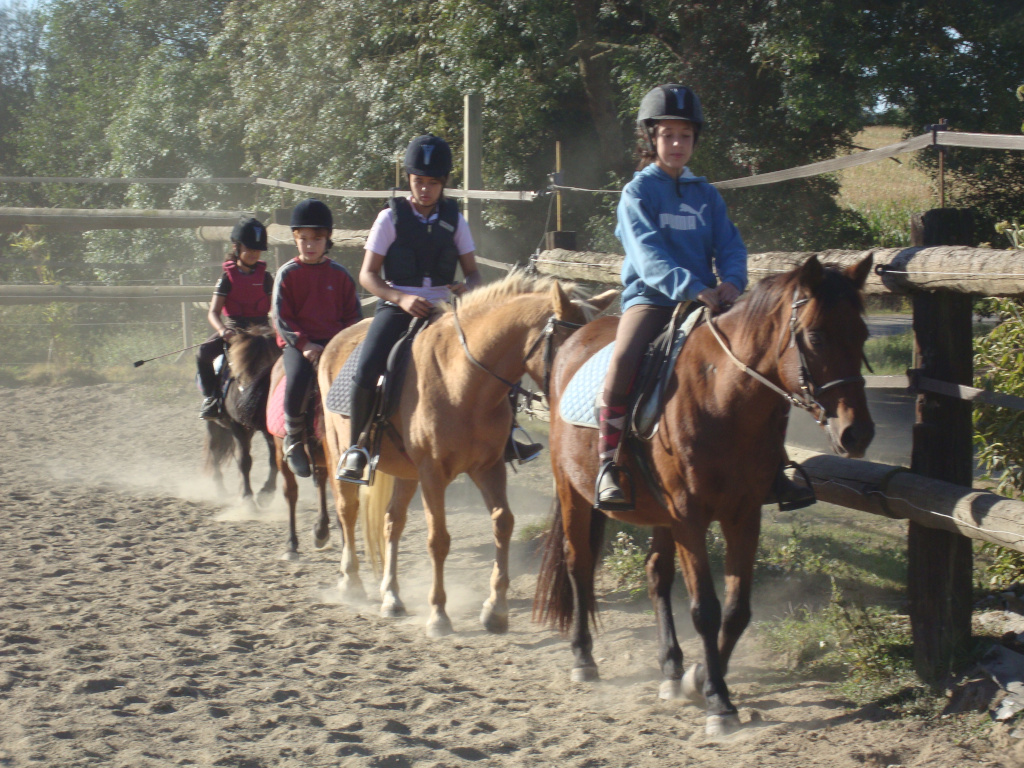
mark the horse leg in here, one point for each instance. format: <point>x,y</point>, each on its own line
<point>243,439</point>
<point>291,495</point>
<point>346,505</point>
<point>584,530</point>
<point>438,544</point>
<point>661,569</point>
<point>397,513</point>
<point>322,529</point>
<point>266,494</point>
<point>706,611</point>
<point>741,550</point>
<point>492,485</point>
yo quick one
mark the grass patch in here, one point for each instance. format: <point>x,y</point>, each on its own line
<point>888,192</point>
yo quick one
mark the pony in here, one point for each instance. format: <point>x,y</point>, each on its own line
<point>453,416</point>
<point>796,339</point>
<point>250,356</point>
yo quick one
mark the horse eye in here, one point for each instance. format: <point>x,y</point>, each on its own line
<point>814,338</point>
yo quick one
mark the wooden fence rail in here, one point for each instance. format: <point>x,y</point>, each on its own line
<point>962,269</point>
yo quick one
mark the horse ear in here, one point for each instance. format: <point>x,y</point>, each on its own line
<point>859,272</point>
<point>599,303</point>
<point>563,306</point>
<point>811,273</point>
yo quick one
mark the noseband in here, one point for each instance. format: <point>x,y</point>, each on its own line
<point>807,398</point>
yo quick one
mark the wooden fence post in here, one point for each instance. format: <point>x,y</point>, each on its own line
<point>473,160</point>
<point>939,563</point>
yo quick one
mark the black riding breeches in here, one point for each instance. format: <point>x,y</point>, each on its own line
<point>389,323</point>
<point>300,373</point>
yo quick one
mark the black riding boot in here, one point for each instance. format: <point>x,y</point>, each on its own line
<point>353,461</point>
<point>295,446</point>
<point>516,450</point>
<point>787,494</point>
<point>210,409</point>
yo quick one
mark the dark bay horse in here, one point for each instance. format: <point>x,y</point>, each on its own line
<point>453,417</point>
<point>250,356</point>
<point>796,339</point>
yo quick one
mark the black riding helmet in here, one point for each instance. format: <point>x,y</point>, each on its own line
<point>250,233</point>
<point>428,155</point>
<point>312,213</point>
<point>670,102</point>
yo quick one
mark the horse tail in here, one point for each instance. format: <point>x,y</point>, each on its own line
<point>553,602</point>
<point>218,447</point>
<point>373,507</point>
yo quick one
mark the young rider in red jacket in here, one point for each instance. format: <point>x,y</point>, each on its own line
<point>242,296</point>
<point>314,298</point>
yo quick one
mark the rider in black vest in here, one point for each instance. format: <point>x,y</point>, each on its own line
<point>411,256</point>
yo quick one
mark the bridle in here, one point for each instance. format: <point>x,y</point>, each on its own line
<point>810,392</point>
<point>547,336</point>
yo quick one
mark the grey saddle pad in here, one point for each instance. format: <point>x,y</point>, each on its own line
<point>339,399</point>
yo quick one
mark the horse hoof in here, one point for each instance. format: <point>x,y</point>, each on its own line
<point>351,590</point>
<point>495,623</point>
<point>291,557</point>
<point>393,610</point>
<point>671,690</point>
<point>321,543</point>
<point>722,725</point>
<point>264,498</point>
<point>692,686</point>
<point>585,674</point>
<point>439,627</point>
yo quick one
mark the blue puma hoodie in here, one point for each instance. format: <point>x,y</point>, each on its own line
<point>677,235</point>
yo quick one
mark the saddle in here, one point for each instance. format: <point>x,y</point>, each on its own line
<point>578,405</point>
<point>389,390</point>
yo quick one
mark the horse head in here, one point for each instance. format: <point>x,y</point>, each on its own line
<point>821,349</point>
<point>252,353</point>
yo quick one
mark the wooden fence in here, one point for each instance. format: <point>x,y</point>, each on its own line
<point>941,273</point>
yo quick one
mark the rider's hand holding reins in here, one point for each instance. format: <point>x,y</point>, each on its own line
<point>719,299</point>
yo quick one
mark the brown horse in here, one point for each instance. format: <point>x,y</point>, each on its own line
<point>250,356</point>
<point>318,465</point>
<point>453,417</point>
<point>797,339</point>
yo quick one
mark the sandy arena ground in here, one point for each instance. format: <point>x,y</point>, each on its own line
<point>146,622</point>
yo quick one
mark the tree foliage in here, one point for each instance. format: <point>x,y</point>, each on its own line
<point>328,93</point>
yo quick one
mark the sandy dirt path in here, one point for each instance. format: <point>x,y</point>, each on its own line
<point>145,622</point>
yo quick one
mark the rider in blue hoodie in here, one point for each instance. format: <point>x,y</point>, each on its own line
<point>679,246</point>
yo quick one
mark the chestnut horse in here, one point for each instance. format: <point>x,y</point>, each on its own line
<point>453,417</point>
<point>250,356</point>
<point>796,339</point>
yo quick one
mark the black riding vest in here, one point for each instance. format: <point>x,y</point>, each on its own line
<point>422,250</point>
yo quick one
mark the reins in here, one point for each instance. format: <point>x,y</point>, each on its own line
<point>807,400</point>
<point>546,335</point>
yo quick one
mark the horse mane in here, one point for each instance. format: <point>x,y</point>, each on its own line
<point>252,353</point>
<point>771,293</point>
<point>516,283</point>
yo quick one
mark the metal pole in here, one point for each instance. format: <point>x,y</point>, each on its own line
<point>558,194</point>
